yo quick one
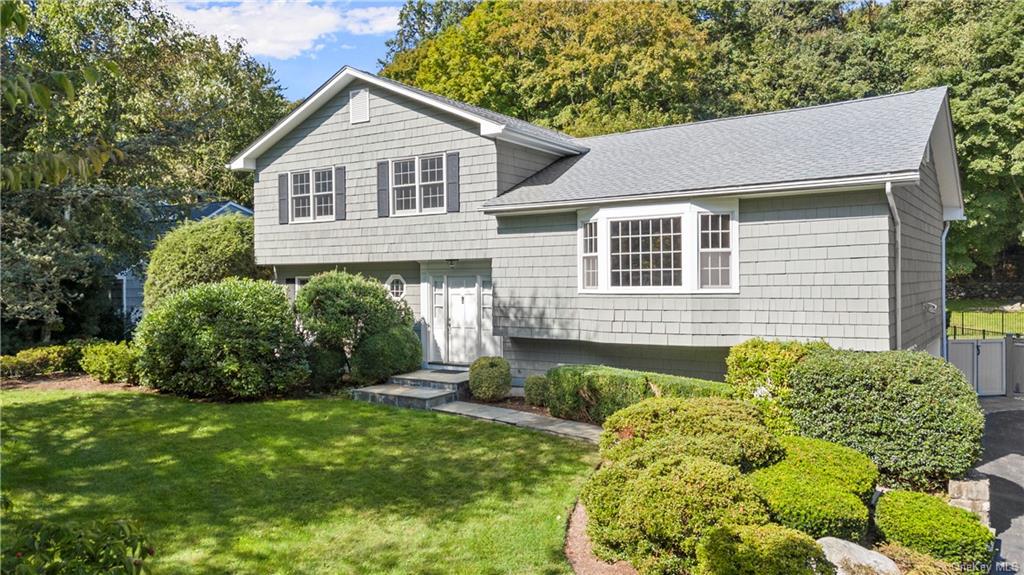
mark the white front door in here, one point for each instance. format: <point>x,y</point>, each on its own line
<point>463,319</point>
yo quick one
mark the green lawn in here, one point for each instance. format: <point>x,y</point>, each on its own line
<point>974,318</point>
<point>298,486</point>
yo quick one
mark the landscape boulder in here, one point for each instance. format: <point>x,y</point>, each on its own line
<point>852,559</point>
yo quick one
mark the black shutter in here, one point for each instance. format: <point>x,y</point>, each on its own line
<point>339,192</point>
<point>452,167</point>
<point>282,198</point>
<point>383,203</point>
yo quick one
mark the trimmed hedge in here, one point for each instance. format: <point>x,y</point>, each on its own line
<point>723,430</point>
<point>928,524</point>
<point>326,368</point>
<point>913,414</point>
<point>536,390</point>
<point>231,340</point>
<point>831,462</point>
<point>817,507</point>
<point>759,371</point>
<point>111,362</point>
<point>656,515</point>
<point>761,549</point>
<point>490,378</point>
<point>381,355</point>
<point>594,392</point>
<point>44,360</point>
<point>200,252</point>
<point>115,547</point>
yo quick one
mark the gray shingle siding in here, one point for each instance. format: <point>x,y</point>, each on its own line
<point>920,210</point>
<point>516,163</point>
<point>812,267</point>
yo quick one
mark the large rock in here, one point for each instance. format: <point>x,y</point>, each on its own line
<point>852,559</point>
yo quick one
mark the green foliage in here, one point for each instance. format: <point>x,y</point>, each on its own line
<point>40,361</point>
<point>341,309</point>
<point>759,371</point>
<point>235,339</point>
<point>656,515</point>
<point>762,549</point>
<point>490,378</point>
<point>816,506</point>
<point>720,429</point>
<point>326,368</point>
<point>913,562</point>
<point>913,414</point>
<point>594,392</point>
<point>200,252</point>
<point>101,548</point>
<point>384,354</point>
<point>420,20</point>
<point>928,524</point>
<point>111,362</point>
<point>535,388</point>
<point>825,461</point>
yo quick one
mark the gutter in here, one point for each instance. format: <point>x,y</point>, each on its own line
<point>899,265</point>
<point>944,340</point>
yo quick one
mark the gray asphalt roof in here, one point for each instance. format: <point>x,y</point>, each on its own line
<point>856,138</point>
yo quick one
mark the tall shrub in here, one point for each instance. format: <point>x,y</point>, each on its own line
<point>235,339</point>
<point>384,354</point>
<point>200,252</point>
<point>913,414</point>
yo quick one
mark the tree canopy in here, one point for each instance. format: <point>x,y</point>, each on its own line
<point>594,68</point>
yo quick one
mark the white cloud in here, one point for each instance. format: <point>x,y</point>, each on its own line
<point>283,29</point>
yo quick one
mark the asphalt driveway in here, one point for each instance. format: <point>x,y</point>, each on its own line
<point>1003,463</point>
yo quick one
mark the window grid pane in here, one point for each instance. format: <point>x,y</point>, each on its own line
<point>646,252</point>
<point>590,238</point>
<point>405,198</point>
<point>405,172</point>
<point>323,181</point>
<point>433,196</point>
<point>715,256</point>
<point>300,207</point>
<point>432,169</point>
<point>324,205</point>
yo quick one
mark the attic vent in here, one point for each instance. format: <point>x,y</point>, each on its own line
<point>359,106</point>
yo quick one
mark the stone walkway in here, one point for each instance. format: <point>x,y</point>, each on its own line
<point>574,429</point>
<point>1003,464</point>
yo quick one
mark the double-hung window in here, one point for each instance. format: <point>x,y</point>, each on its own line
<point>312,195</point>
<point>418,185</point>
<point>670,248</point>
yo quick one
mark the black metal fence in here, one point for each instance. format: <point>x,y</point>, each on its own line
<point>984,324</point>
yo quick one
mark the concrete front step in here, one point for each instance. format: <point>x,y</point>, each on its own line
<point>416,397</point>
<point>448,380</point>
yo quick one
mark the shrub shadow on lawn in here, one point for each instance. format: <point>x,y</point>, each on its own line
<point>224,471</point>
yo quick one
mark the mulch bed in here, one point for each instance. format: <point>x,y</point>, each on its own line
<point>67,383</point>
<point>516,403</point>
<point>580,552</point>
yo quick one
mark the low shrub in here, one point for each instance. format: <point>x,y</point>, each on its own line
<point>913,414</point>
<point>102,548</point>
<point>536,390</point>
<point>111,362</point>
<point>927,524</point>
<point>381,355</point>
<point>912,562</point>
<point>817,507</point>
<point>763,549</point>
<point>659,513</point>
<point>490,378</point>
<point>593,392</point>
<point>326,368</point>
<point>759,371</point>
<point>723,430</point>
<point>235,339</point>
<point>43,360</point>
<point>830,462</point>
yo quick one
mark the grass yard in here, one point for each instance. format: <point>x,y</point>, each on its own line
<point>298,486</point>
<point>974,318</point>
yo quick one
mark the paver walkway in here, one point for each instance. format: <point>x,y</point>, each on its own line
<point>575,429</point>
<point>1003,463</point>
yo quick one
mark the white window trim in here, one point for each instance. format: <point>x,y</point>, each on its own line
<point>419,190</point>
<point>312,197</point>
<point>405,286</point>
<point>690,214</point>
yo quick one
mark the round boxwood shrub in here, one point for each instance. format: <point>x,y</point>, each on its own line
<point>326,368</point>
<point>490,378</point>
<point>817,507</point>
<point>200,252</point>
<point>763,549</point>
<point>913,414</point>
<point>730,432</point>
<point>536,390</point>
<point>341,309</point>
<point>235,339</point>
<point>381,355</point>
<point>831,462</point>
<point>928,524</point>
<point>110,362</point>
<point>664,509</point>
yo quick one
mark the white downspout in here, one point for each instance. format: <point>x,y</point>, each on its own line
<point>899,264</point>
<point>945,339</point>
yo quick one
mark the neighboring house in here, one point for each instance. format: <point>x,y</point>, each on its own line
<point>127,289</point>
<point>654,248</point>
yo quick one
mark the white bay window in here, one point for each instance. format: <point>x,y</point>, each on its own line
<point>668,248</point>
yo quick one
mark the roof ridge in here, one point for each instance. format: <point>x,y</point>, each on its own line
<point>768,113</point>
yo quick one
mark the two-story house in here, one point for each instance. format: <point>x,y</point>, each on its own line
<point>654,249</point>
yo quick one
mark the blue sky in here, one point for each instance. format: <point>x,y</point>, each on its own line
<point>305,41</point>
